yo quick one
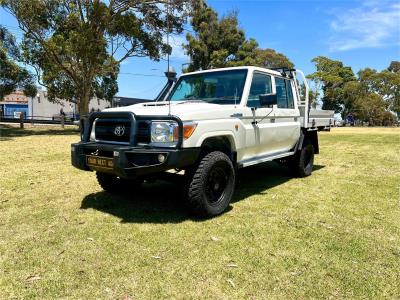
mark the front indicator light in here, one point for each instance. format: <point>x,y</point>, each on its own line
<point>188,129</point>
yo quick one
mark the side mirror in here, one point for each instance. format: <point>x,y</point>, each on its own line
<point>268,99</point>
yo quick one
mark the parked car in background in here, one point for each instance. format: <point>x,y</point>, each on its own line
<point>338,123</point>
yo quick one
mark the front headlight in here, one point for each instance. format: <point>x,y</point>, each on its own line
<point>165,134</point>
<point>162,133</point>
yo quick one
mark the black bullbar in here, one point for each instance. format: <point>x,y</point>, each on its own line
<point>130,159</point>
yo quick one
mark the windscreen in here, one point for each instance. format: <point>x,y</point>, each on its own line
<point>220,87</point>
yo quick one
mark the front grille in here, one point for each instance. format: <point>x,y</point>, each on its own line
<point>143,133</point>
<point>113,130</point>
<point>109,130</point>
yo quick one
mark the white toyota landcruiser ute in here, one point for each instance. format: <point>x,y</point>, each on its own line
<point>207,124</point>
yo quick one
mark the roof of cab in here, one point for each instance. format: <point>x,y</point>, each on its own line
<point>250,68</point>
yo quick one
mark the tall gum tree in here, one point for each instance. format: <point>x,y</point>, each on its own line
<point>220,42</point>
<point>331,76</point>
<point>77,46</point>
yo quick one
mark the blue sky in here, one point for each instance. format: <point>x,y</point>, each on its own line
<point>361,33</point>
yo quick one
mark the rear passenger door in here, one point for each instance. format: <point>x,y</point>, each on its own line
<point>286,115</point>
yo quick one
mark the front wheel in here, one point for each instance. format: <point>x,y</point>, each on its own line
<point>211,185</point>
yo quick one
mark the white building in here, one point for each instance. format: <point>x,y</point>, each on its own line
<point>41,108</point>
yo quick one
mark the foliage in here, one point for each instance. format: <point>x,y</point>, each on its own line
<point>215,41</point>
<point>272,59</point>
<point>371,97</point>
<point>383,90</point>
<point>331,76</point>
<point>312,95</point>
<point>12,76</point>
<point>366,105</point>
<point>77,46</point>
<point>218,43</point>
<point>394,67</point>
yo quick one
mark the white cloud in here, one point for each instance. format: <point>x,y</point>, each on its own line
<point>373,25</point>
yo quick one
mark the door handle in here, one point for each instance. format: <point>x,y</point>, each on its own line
<point>237,115</point>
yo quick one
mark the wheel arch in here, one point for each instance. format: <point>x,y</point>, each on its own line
<point>219,142</point>
<point>311,137</point>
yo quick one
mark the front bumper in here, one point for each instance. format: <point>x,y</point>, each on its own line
<point>131,162</point>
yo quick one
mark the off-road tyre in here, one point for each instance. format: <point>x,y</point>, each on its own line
<point>303,161</point>
<point>116,185</point>
<point>211,185</point>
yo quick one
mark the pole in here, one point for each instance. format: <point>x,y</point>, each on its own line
<point>168,29</point>
<point>32,110</point>
<point>21,120</point>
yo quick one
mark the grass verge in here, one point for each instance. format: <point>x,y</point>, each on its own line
<point>335,234</point>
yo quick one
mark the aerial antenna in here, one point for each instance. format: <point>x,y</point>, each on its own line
<point>168,29</point>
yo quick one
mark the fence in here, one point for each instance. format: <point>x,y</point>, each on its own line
<point>22,118</point>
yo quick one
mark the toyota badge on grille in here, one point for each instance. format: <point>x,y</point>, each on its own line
<point>119,130</point>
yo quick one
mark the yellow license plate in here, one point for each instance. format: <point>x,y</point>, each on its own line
<point>99,162</point>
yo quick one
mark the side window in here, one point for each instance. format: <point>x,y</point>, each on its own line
<point>284,93</point>
<point>260,85</point>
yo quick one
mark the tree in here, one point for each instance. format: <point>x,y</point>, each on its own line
<point>367,98</point>
<point>332,76</point>
<point>271,59</point>
<point>76,46</point>
<point>394,67</point>
<point>394,86</point>
<point>385,83</point>
<point>312,95</point>
<point>218,43</point>
<point>372,108</point>
<point>250,55</point>
<point>246,55</point>
<point>215,42</point>
<point>12,76</point>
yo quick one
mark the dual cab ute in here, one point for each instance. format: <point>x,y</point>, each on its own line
<point>209,124</point>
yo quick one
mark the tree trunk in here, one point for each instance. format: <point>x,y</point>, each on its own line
<point>84,106</point>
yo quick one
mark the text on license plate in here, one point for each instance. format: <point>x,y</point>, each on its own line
<point>102,162</point>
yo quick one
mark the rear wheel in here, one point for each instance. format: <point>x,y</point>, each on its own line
<point>303,161</point>
<point>211,185</point>
<point>114,184</point>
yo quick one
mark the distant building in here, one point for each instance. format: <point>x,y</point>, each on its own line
<point>14,104</point>
<point>16,97</point>
<point>41,108</point>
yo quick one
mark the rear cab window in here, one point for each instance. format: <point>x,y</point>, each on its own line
<point>284,93</point>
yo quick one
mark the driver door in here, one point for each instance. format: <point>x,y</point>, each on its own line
<point>260,131</point>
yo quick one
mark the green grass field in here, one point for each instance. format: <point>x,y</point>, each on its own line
<point>335,234</point>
